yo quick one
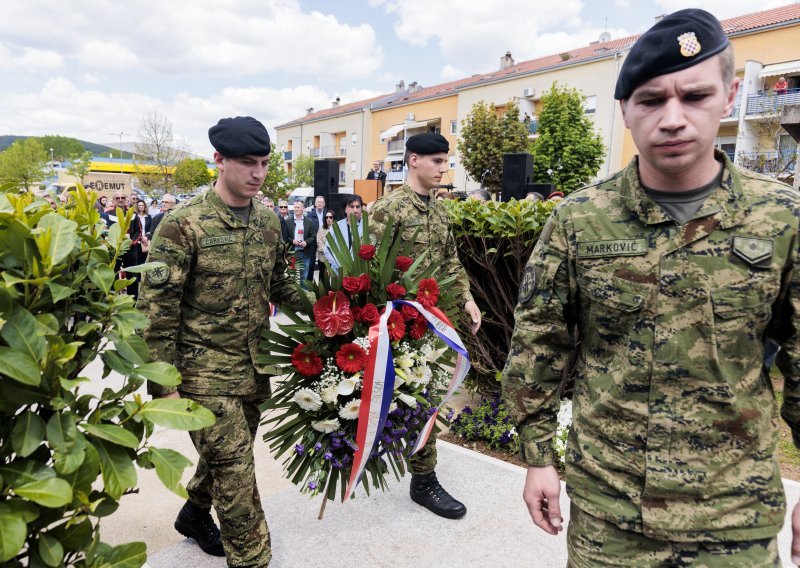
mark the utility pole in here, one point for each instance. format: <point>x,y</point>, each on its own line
<point>120,134</point>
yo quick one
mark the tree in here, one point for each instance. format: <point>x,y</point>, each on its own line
<point>567,152</point>
<point>80,166</point>
<point>191,173</point>
<point>24,163</point>
<point>63,147</point>
<point>158,151</point>
<point>275,184</point>
<point>303,171</point>
<point>486,135</point>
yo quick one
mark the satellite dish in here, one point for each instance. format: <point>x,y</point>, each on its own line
<point>604,37</point>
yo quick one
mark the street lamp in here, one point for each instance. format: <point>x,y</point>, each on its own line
<point>52,164</point>
<point>120,148</point>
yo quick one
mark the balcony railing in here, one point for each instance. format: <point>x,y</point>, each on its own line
<point>737,107</point>
<point>771,102</point>
<point>287,156</point>
<point>769,163</point>
<point>315,152</point>
<point>332,151</point>
<point>394,177</point>
<point>395,144</point>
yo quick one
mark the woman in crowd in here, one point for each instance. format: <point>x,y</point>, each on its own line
<point>322,235</point>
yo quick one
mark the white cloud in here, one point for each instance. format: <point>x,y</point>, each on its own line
<point>240,38</point>
<point>451,73</point>
<point>29,59</point>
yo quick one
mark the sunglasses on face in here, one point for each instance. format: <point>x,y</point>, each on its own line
<point>328,216</point>
<point>282,207</point>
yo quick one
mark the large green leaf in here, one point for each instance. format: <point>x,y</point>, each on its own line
<point>61,432</point>
<point>53,492</point>
<point>132,348</point>
<point>114,434</point>
<point>169,468</point>
<point>130,555</point>
<point>63,236</point>
<point>19,366</point>
<point>50,550</point>
<point>102,276</point>
<point>160,373</point>
<point>86,474</point>
<point>23,332</point>
<point>28,433</point>
<point>20,472</point>
<point>59,292</point>
<point>12,533</point>
<point>119,473</point>
<point>177,413</point>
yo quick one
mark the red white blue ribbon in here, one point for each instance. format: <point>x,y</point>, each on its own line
<point>377,386</point>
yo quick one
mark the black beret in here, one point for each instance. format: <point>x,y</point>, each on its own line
<point>678,41</point>
<point>240,136</point>
<point>428,143</point>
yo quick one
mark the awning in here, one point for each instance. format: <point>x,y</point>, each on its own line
<point>420,123</point>
<point>391,132</point>
<point>777,69</point>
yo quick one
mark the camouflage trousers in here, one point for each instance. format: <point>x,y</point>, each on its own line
<point>424,461</point>
<point>225,477</point>
<point>593,542</point>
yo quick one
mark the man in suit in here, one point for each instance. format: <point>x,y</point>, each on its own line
<point>300,232</point>
<point>353,205</point>
<point>317,216</point>
<point>377,173</point>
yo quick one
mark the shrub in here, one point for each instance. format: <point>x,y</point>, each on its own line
<point>488,423</point>
<point>68,456</point>
<point>494,241</point>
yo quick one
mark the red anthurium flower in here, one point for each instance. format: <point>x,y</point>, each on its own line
<point>369,314</point>
<point>403,263</point>
<point>395,291</point>
<point>409,312</point>
<point>428,292</point>
<point>351,284</point>
<point>351,358</point>
<point>396,326</point>
<point>367,252</point>
<point>306,361</point>
<point>365,283</point>
<point>418,328</point>
<point>332,314</point>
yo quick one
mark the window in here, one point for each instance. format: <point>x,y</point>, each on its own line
<point>353,165</point>
<point>453,126</point>
<point>590,106</point>
<point>452,164</point>
<point>355,138</point>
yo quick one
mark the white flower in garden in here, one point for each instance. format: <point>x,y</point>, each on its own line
<point>350,410</point>
<point>407,399</point>
<point>330,394</point>
<point>346,387</point>
<point>307,399</point>
<point>326,426</point>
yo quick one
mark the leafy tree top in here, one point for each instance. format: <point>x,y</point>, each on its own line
<point>24,163</point>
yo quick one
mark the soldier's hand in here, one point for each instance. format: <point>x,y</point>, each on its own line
<point>542,490</point>
<point>796,535</point>
<point>471,308</point>
<point>170,395</point>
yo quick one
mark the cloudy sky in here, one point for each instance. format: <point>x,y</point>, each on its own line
<point>92,68</point>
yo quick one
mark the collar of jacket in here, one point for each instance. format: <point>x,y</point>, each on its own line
<point>224,211</point>
<point>728,202</point>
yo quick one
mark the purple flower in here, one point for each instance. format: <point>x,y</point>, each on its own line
<point>317,447</point>
<point>336,443</point>
<point>327,456</point>
<point>312,485</point>
<point>347,460</point>
<point>352,445</point>
<point>450,414</point>
<point>336,464</point>
<point>467,410</point>
<point>505,438</point>
<point>300,449</point>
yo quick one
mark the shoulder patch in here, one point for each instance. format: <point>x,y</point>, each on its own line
<point>379,216</point>
<point>528,285</point>
<point>270,236</point>
<point>158,275</point>
<point>753,250</point>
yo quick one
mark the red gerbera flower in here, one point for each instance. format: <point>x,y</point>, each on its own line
<point>351,358</point>
<point>306,361</point>
<point>367,252</point>
<point>395,291</point>
<point>364,283</point>
<point>332,314</point>
<point>396,326</point>
<point>418,328</point>
<point>428,292</point>
<point>403,263</point>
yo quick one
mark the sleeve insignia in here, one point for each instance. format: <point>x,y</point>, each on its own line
<point>528,285</point>
<point>158,275</point>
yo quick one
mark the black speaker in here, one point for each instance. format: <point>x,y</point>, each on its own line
<point>326,178</point>
<point>335,203</point>
<point>517,175</point>
<point>543,189</point>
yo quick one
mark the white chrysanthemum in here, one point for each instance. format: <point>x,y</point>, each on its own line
<point>330,394</point>
<point>407,399</point>
<point>307,399</point>
<point>350,410</point>
<point>326,426</point>
<point>420,375</point>
<point>404,361</point>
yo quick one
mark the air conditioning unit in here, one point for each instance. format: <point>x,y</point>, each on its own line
<point>528,92</point>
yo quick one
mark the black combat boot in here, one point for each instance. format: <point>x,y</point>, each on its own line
<point>194,522</point>
<point>428,492</point>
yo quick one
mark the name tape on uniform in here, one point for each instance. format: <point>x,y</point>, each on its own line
<point>621,247</point>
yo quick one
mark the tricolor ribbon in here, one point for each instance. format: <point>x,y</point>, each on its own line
<point>378,384</point>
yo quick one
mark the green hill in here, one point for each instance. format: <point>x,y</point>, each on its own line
<point>96,149</point>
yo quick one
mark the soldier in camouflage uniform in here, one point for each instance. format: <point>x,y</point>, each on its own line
<point>416,211</point>
<point>225,260</point>
<point>674,272</point>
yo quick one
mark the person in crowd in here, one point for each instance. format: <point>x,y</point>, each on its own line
<point>224,260</point>
<point>377,173</point>
<point>353,208</point>
<point>299,232</point>
<point>283,209</point>
<point>322,242</point>
<point>167,203</point>
<point>781,86</point>
<point>655,291</point>
<point>480,195</point>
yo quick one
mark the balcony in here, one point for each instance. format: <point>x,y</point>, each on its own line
<point>331,151</point>
<point>769,103</point>
<point>737,107</point>
<point>395,145</point>
<point>287,156</point>
<point>775,164</point>
<point>394,177</point>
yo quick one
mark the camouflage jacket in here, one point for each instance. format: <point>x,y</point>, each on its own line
<point>207,308</point>
<point>674,418</point>
<point>434,236</point>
